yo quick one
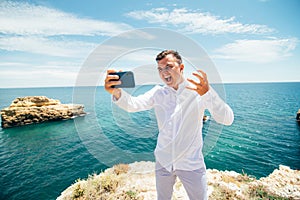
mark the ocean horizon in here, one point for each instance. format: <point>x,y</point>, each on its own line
<point>39,161</point>
<point>226,83</point>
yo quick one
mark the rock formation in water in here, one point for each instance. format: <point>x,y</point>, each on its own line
<point>37,109</point>
<point>137,181</point>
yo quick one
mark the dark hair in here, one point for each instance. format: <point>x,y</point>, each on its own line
<point>164,53</point>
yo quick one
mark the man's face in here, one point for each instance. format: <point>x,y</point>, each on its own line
<point>170,71</point>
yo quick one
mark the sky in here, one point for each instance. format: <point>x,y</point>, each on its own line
<point>46,43</point>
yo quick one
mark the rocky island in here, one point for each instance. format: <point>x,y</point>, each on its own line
<point>37,109</point>
<point>136,181</point>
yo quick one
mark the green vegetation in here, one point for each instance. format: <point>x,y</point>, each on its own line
<point>132,195</point>
<point>246,186</point>
<point>109,183</point>
<point>77,192</point>
<point>260,193</point>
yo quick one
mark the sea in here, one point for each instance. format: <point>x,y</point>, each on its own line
<point>39,161</point>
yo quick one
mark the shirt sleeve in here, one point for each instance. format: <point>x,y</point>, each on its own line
<point>136,104</point>
<point>219,110</point>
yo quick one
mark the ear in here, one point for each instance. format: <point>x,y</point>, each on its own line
<point>181,67</point>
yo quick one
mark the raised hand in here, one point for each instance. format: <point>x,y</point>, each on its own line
<point>110,80</point>
<point>202,86</point>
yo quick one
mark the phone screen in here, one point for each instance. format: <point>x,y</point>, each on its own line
<point>126,78</point>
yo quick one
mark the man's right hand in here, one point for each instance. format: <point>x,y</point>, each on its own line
<point>110,80</point>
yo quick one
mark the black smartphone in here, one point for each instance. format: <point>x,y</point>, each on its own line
<point>126,78</point>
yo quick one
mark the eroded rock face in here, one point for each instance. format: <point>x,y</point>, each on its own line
<point>37,109</point>
<point>283,182</point>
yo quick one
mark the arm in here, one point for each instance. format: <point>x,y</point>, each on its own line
<point>125,100</point>
<point>219,110</point>
<point>135,104</point>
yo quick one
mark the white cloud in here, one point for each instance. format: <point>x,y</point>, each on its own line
<point>38,75</point>
<point>257,51</point>
<point>45,46</point>
<point>30,28</point>
<point>13,64</point>
<point>197,22</point>
<point>21,18</point>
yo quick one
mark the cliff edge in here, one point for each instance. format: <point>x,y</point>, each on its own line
<point>37,109</point>
<point>136,181</point>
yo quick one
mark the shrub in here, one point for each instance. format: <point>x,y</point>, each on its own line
<point>121,169</point>
<point>77,192</point>
<point>259,192</point>
<point>109,182</point>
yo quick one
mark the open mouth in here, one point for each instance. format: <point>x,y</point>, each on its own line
<point>168,78</point>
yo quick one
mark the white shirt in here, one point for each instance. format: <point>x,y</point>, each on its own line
<point>179,115</point>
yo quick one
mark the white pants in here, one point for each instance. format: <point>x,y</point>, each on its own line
<point>194,183</point>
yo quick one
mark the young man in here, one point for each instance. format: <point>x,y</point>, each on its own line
<point>179,108</point>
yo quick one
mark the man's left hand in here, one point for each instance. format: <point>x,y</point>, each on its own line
<point>200,87</point>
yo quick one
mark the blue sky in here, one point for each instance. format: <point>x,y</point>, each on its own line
<point>45,43</point>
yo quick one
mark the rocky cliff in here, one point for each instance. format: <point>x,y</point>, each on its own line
<point>137,181</point>
<point>36,109</point>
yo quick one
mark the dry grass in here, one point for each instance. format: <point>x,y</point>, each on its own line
<point>121,169</point>
<point>241,187</point>
<point>104,186</point>
<point>121,182</point>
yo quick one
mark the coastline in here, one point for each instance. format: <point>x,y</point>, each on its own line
<point>258,142</point>
<point>137,181</point>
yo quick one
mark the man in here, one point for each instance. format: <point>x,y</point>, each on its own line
<point>179,108</point>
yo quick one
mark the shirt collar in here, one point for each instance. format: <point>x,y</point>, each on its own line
<point>181,87</point>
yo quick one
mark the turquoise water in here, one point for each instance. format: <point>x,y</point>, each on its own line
<point>40,161</point>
